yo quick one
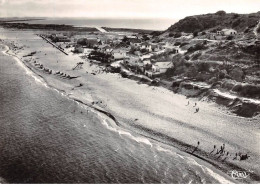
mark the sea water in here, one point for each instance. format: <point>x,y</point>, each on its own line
<point>148,24</point>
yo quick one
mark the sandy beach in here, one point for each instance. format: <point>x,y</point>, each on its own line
<point>153,112</point>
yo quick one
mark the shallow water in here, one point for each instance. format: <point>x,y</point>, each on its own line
<point>47,138</point>
<point>150,24</point>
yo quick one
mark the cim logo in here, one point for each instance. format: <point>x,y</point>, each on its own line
<point>239,174</point>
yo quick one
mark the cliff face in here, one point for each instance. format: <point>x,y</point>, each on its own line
<point>218,20</point>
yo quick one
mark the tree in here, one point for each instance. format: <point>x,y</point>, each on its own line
<point>177,35</point>
<point>171,34</point>
<point>132,50</point>
<point>236,16</point>
<point>148,66</point>
<point>195,34</point>
<point>221,13</point>
<point>145,37</point>
<point>187,57</point>
<point>125,39</point>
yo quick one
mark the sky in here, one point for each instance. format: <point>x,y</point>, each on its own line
<point>173,9</point>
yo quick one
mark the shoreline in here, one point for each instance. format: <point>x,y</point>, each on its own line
<point>109,118</point>
<point>146,130</point>
<point>181,146</point>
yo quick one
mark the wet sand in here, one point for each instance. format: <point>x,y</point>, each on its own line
<point>152,112</point>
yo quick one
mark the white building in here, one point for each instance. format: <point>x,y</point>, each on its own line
<point>147,56</point>
<point>118,55</point>
<point>117,64</point>
<point>146,46</point>
<point>227,32</point>
<point>146,61</point>
<point>161,67</point>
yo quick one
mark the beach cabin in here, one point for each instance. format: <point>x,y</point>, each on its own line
<point>149,73</point>
<point>146,61</point>
<point>134,63</point>
<point>229,32</point>
<point>146,46</point>
<point>161,67</point>
<point>155,47</point>
<point>170,48</point>
<point>132,60</point>
<point>157,69</point>
<point>117,64</point>
<point>147,56</point>
<point>118,55</point>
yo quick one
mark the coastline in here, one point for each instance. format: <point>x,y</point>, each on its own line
<point>112,123</point>
<point>144,131</point>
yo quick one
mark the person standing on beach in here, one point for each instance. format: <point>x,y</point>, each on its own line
<point>197,110</point>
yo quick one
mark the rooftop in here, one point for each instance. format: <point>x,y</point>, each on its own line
<point>164,65</point>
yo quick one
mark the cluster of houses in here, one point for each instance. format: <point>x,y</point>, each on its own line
<point>130,52</point>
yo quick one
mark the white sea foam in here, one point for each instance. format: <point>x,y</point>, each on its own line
<point>218,177</point>
<point>159,148</point>
<point>122,132</point>
<point>207,170</point>
<point>142,140</point>
<point>27,70</point>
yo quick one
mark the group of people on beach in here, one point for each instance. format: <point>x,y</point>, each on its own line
<point>101,103</point>
<point>197,109</point>
<point>99,71</point>
<point>222,152</point>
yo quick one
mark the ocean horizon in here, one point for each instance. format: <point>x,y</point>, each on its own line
<point>159,24</point>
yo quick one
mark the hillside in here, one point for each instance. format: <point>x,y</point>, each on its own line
<point>220,19</point>
<point>218,69</point>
